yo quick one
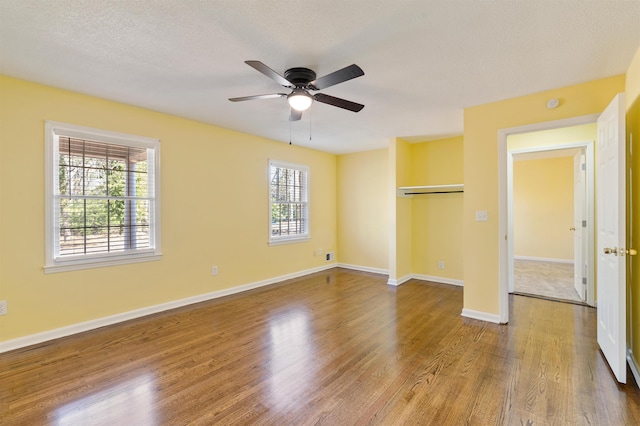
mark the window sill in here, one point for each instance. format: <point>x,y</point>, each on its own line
<point>74,266</point>
<point>282,241</point>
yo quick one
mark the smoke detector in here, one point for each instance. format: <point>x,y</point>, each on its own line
<point>553,103</point>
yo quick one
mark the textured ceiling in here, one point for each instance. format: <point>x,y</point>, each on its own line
<point>424,61</point>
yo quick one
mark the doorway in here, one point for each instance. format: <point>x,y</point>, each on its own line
<point>548,204</point>
<point>611,227</point>
<point>505,168</point>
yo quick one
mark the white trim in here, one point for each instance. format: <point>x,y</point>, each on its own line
<point>298,238</point>
<point>402,280</point>
<point>89,264</point>
<point>441,280</point>
<point>410,191</point>
<point>289,240</point>
<point>100,135</point>
<point>588,147</point>
<point>482,316</point>
<point>431,278</point>
<point>543,259</point>
<point>399,281</point>
<point>633,367</point>
<point>505,167</point>
<point>53,129</point>
<point>364,268</point>
<point>503,218</point>
<point>554,124</point>
<point>57,333</point>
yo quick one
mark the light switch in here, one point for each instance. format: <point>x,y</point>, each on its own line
<point>482,216</point>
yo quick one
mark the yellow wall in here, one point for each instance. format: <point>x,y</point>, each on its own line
<point>481,126</point>
<point>543,208</point>
<point>437,162</point>
<point>399,210</point>
<point>214,212</point>
<point>198,231</point>
<point>363,209</point>
<point>552,137</point>
<point>633,214</point>
<point>437,218</point>
<point>632,81</point>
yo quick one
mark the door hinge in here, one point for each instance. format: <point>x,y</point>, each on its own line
<point>584,223</point>
<point>583,166</point>
<point>584,280</point>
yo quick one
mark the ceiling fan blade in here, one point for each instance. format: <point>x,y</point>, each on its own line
<point>295,115</point>
<point>340,76</point>
<point>250,98</point>
<point>340,103</point>
<point>269,73</point>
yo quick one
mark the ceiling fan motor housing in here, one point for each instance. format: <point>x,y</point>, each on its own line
<point>300,76</point>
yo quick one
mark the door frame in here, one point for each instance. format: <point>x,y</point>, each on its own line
<point>589,149</point>
<point>503,205</point>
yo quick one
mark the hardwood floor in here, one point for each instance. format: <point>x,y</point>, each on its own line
<point>334,348</point>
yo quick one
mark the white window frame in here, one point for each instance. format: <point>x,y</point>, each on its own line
<point>305,236</point>
<point>55,263</point>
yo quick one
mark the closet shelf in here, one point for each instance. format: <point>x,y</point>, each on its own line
<point>410,191</point>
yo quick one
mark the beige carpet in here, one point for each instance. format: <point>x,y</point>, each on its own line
<point>546,279</point>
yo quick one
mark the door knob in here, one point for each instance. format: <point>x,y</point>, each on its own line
<point>613,251</point>
<point>630,252</point>
<point>573,228</point>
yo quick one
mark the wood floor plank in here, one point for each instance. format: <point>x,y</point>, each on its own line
<point>338,347</point>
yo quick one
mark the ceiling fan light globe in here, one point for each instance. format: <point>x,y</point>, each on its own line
<point>300,101</point>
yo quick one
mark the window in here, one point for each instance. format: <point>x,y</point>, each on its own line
<point>102,205</point>
<point>288,202</point>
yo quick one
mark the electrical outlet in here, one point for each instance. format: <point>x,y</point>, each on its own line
<point>214,270</point>
<point>482,216</point>
<point>440,264</point>
<point>3,307</point>
<point>329,256</point>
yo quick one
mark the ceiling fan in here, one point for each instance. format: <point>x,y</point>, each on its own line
<point>303,81</point>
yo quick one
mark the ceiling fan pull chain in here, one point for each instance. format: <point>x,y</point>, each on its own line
<point>289,132</point>
<point>309,125</point>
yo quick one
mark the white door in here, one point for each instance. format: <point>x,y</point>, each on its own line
<point>579,210</point>
<point>611,225</point>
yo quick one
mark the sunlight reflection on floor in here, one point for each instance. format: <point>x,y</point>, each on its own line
<point>130,402</point>
<point>292,349</point>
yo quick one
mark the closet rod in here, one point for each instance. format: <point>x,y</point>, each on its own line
<point>433,192</point>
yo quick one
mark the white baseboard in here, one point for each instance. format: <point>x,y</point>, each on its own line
<point>543,259</point>
<point>57,333</point>
<point>441,280</point>
<point>432,278</point>
<point>482,316</point>
<point>633,366</point>
<point>399,281</point>
<point>364,268</point>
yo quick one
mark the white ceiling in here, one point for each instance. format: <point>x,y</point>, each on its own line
<point>424,61</point>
